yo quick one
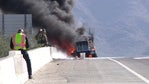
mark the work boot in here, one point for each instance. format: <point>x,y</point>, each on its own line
<point>30,76</point>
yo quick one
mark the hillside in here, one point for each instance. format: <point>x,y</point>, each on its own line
<point>120,27</point>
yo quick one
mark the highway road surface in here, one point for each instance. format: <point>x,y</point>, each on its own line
<point>94,71</point>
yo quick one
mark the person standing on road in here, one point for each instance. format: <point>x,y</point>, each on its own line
<point>19,41</point>
<point>41,38</point>
<point>46,43</point>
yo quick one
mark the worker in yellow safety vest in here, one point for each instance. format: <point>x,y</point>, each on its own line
<point>20,42</point>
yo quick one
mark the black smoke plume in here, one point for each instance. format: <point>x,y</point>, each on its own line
<point>54,15</point>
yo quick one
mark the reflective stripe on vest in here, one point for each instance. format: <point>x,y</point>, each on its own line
<point>19,41</point>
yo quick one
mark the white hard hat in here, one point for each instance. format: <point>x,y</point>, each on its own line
<point>40,29</point>
<point>20,30</point>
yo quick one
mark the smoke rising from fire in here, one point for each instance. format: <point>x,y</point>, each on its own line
<point>54,15</point>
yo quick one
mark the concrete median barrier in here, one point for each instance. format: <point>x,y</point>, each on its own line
<point>13,68</point>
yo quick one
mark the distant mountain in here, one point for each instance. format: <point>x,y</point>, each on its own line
<point>121,27</point>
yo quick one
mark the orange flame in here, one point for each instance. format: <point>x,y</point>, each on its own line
<point>67,46</point>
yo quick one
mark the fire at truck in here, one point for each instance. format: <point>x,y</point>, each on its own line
<point>85,45</point>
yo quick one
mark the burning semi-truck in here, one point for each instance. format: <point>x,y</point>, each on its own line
<point>85,47</point>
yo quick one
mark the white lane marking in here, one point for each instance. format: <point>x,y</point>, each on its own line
<point>141,58</point>
<point>130,70</point>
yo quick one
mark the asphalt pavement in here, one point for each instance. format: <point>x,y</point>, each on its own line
<point>93,71</point>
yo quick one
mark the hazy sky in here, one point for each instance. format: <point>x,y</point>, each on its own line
<point>107,10</point>
<point>121,26</point>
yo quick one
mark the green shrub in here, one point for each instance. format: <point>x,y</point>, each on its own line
<point>4,46</point>
<point>32,41</point>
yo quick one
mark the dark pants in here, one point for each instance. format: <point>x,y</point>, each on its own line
<point>28,62</point>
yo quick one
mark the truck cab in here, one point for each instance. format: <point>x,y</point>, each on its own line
<point>85,47</point>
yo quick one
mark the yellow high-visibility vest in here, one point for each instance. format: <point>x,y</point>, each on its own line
<point>19,41</point>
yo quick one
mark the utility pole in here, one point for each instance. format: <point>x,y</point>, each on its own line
<point>25,23</point>
<point>3,24</point>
